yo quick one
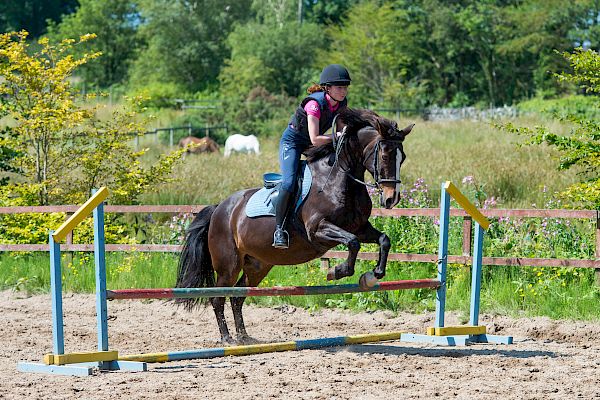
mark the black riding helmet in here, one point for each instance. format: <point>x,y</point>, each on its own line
<point>335,74</point>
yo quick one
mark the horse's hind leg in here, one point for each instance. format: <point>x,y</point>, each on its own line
<point>225,278</point>
<point>253,275</point>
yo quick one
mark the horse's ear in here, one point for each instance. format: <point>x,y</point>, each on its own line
<point>408,129</point>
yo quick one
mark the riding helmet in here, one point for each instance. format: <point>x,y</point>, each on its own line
<point>335,74</point>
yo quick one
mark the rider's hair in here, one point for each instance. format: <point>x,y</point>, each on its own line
<point>316,88</point>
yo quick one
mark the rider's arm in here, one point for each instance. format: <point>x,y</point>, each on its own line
<point>313,132</point>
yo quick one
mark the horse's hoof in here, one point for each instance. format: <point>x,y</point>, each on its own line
<point>367,280</point>
<point>245,340</point>
<point>228,341</point>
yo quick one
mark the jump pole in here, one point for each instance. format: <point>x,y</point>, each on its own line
<point>464,334</point>
<point>297,345</point>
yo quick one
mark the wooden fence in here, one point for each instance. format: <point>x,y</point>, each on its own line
<point>463,258</point>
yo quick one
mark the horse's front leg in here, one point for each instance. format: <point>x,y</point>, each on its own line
<point>371,235</point>
<point>330,235</point>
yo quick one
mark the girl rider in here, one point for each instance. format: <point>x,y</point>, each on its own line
<point>307,128</point>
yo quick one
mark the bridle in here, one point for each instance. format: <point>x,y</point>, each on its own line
<point>339,144</point>
<point>378,179</point>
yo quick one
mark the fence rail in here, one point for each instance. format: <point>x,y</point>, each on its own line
<point>464,258</point>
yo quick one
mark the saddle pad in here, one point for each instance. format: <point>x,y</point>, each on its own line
<point>260,203</point>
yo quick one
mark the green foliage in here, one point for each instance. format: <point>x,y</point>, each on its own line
<point>185,41</point>
<point>261,55</point>
<point>159,94</point>
<point>581,147</point>
<point>115,24</point>
<point>585,107</point>
<point>67,150</point>
<point>32,15</point>
<point>377,53</point>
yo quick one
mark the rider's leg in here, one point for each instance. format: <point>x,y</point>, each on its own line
<point>289,157</point>
<point>281,237</point>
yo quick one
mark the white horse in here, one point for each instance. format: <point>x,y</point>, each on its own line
<point>241,143</point>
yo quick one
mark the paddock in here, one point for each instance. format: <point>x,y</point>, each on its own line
<point>335,328</point>
<point>548,359</point>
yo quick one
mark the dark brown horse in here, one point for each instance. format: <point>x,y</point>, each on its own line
<point>224,240</point>
<point>199,145</point>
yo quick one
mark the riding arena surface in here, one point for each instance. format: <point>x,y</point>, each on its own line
<point>548,360</point>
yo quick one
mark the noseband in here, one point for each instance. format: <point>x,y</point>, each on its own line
<point>378,180</point>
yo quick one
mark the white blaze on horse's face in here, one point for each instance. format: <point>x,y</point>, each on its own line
<point>391,159</point>
<point>399,160</point>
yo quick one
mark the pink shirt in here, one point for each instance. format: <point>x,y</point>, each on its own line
<point>312,107</point>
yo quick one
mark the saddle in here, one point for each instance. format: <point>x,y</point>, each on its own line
<point>262,203</point>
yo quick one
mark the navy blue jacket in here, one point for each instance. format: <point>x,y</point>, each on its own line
<point>299,121</point>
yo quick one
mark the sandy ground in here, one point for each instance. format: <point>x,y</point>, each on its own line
<point>549,360</point>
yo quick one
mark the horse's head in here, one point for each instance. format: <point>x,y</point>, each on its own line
<point>383,153</point>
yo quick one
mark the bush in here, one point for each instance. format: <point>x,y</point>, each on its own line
<point>159,94</point>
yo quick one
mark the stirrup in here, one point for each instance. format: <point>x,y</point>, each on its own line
<point>281,239</point>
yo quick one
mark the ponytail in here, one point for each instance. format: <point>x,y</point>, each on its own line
<point>316,88</point>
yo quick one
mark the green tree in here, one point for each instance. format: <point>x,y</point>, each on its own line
<point>32,15</point>
<point>115,24</point>
<point>185,41</point>
<point>66,149</point>
<point>581,147</point>
<point>376,49</point>
<point>272,61</point>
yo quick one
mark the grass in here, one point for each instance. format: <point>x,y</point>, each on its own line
<point>436,152</point>
<point>500,292</point>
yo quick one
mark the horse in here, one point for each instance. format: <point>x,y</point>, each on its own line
<point>199,145</point>
<point>222,240</point>
<point>242,144</point>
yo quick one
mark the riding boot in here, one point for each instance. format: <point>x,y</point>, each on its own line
<point>281,237</point>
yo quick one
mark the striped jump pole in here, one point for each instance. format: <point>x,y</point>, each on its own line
<point>262,348</point>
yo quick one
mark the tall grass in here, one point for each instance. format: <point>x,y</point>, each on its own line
<point>436,151</point>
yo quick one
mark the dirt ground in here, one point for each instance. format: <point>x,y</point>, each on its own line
<point>549,359</point>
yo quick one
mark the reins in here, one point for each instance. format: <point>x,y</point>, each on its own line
<point>338,145</point>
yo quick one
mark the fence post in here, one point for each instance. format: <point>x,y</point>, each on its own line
<point>189,129</point>
<point>325,264</point>
<point>467,234</point>
<point>171,137</point>
<point>597,248</point>
<point>100,273</point>
<point>207,131</point>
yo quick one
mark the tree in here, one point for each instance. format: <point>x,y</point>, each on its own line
<point>66,148</point>
<point>185,41</point>
<point>374,44</point>
<point>272,61</point>
<point>115,24</point>
<point>32,15</point>
<point>581,147</point>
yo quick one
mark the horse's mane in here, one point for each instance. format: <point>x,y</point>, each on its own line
<point>355,120</point>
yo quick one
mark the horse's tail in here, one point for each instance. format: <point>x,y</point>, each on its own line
<point>195,265</point>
